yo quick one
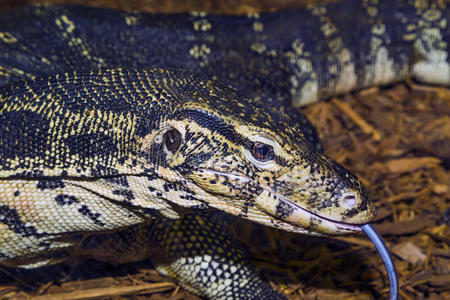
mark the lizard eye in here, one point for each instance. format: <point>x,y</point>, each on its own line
<point>172,140</point>
<point>262,152</point>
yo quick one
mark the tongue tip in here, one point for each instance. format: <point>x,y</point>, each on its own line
<point>376,239</point>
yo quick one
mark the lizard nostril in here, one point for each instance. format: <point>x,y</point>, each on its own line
<point>350,200</point>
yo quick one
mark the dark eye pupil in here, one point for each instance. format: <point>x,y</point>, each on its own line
<point>172,140</point>
<point>262,152</point>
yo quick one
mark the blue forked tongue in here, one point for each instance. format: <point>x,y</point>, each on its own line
<point>376,239</point>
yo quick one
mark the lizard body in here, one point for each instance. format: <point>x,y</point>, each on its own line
<point>104,139</point>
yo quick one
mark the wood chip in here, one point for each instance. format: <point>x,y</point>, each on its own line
<point>403,165</point>
<point>404,227</point>
<point>368,91</point>
<point>409,252</point>
<point>440,280</point>
<point>421,277</point>
<point>441,252</point>
<point>365,127</point>
<point>88,284</point>
<point>109,291</point>
<point>335,295</point>
<point>354,240</point>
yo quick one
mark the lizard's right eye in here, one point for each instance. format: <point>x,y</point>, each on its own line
<point>172,140</point>
<point>262,152</point>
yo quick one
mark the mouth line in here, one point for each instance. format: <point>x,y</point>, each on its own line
<point>337,224</point>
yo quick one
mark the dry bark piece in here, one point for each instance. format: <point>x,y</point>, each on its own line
<point>403,165</point>
<point>405,227</point>
<point>321,294</point>
<point>365,127</point>
<point>109,291</point>
<point>88,284</point>
<point>440,280</point>
<point>421,277</point>
<point>409,252</point>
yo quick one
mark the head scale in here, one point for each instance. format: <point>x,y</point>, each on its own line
<point>166,140</point>
<point>252,160</point>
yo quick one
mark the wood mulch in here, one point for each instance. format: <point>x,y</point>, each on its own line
<point>397,140</point>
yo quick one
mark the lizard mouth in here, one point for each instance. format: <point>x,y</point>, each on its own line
<point>298,216</point>
<point>301,214</point>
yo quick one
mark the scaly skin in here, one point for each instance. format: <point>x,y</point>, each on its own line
<point>110,148</point>
<point>113,150</point>
<point>108,164</point>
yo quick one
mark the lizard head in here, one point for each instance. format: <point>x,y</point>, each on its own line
<point>165,140</point>
<point>253,161</point>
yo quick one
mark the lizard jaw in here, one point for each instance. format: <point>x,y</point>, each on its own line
<point>290,212</point>
<point>300,214</point>
<point>299,218</point>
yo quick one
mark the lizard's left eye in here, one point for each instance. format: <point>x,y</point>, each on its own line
<point>172,139</point>
<point>262,152</point>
